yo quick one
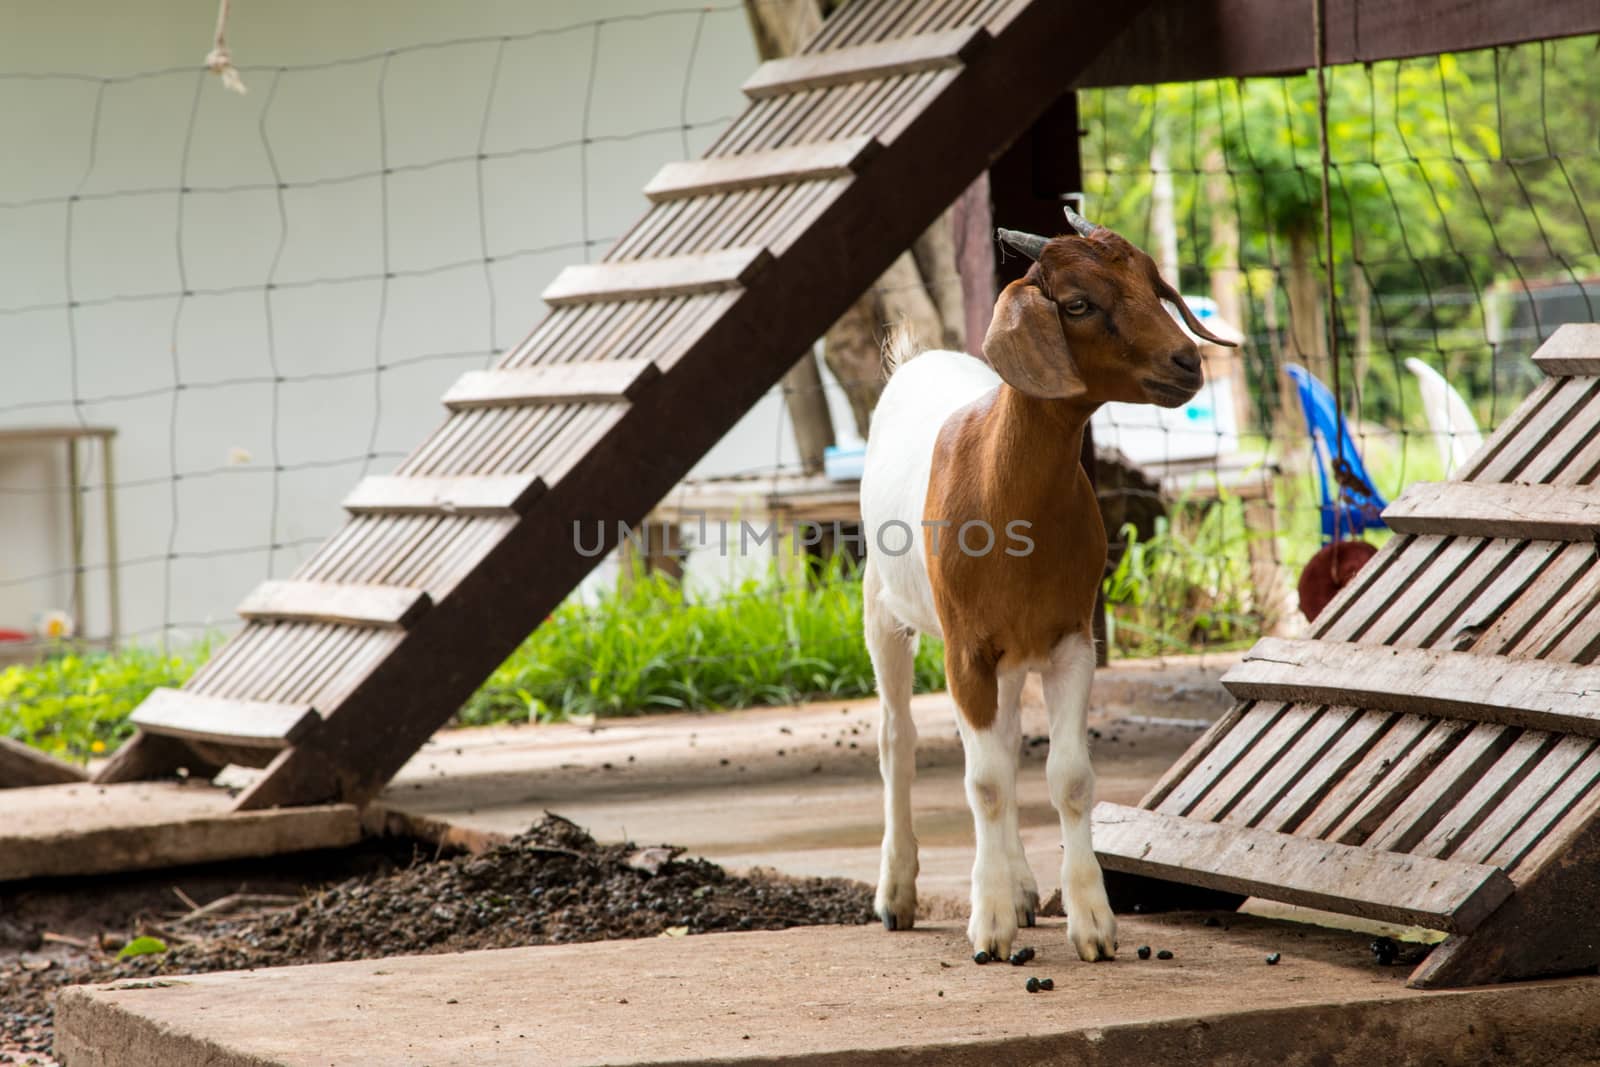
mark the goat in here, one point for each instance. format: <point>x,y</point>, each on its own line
<point>961,450</point>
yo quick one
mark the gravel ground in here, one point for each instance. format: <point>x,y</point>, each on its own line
<point>551,884</point>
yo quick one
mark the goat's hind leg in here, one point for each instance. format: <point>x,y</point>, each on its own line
<point>990,734</point>
<point>893,648</point>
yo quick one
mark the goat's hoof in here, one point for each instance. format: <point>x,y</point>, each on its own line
<point>890,923</point>
<point>1032,918</point>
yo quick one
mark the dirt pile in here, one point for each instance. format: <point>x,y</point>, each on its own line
<point>551,884</point>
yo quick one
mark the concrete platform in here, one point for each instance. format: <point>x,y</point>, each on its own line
<point>804,780</point>
<point>834,996</point>
<point>92,829</point>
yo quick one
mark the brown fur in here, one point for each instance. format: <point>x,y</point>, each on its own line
<point>1013,456</point>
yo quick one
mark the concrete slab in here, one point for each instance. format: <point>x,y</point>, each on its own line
<point>802,780</point>
<point>94,829</point>
<point>837,995</point>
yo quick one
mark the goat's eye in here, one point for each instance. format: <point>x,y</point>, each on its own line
<point>1076,307</point>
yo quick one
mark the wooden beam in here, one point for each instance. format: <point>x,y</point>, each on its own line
<point>23,765</point>
<point>488,495</point>
<point>1531,693</point>
<point>384,606</point>
<point>1197,40</point>
<point>1386,886</point>
<point>198,717</point>
<point>865,62</point>
<point>607,381</point>
<point>1498,509</point>
<point>816,161</point>
<point>1573,349</point>
<point>644,279</point>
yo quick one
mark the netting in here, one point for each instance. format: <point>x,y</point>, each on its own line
<point>296,282</point>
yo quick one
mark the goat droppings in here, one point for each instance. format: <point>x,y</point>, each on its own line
<point>981,957</point>
<point>1032,986</point>
<point>1144,952</point>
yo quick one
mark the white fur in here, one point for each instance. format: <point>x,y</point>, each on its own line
<point>920,396</point>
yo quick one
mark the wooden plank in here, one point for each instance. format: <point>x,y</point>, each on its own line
<point>1386,886</point>
<point>1321,754</point>
<point>866,62</point>
<point>816,161</point>
<point>83,828</point>
<point>384,606</point>
<point>1422,807</point>
<point>1526,433</point>
<point>1375,584</point>
<point>1507,626</point>
<point>1487,608</point>
<point>1573,349</point>
<point>1442,607</point>
<point>607,381</point>
<point>1578,783</point>
<point>667,276</point>
<point>1386,624</point>
<point>1228,750</point>
<point>24,765</point>
<point>1536,694</point>
<point>1387,787</point>
<point>1497,792</point>
<point>222,720</point>
<point>1476,509</point>
<point>1262,756</point>
<point>1341,795</point>
<point>1568,622</point>
<point>494,495</point>
<point>1178,40</point>
<point>1193,756</point>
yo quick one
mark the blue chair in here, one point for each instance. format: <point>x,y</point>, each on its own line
<point>1356,506</point>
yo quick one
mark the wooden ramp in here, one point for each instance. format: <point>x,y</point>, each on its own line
<point>844,155</point>
<point>1432,755</point>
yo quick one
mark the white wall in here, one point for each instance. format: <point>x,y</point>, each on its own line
<point>188,382</point>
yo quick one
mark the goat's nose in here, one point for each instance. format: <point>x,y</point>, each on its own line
<point>1188,360</point>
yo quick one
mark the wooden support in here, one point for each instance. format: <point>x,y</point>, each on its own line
<point>865,62</point>
<point>384,606</point>
<point>489,495</point>
<point>147,755</point>
<point>22,765</point>
<point>605,381</point>
<point>1478,509</point>
<point>1537,694</point>
<point>815,161</point>
<point>644,279</point>
<point>1386,886</point>
<point>197,717</point>
<point>1573,349</point>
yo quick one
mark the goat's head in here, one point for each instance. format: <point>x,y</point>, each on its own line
<point>1087,322</point>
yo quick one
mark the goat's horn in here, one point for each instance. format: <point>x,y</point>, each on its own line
<point>1029,244</point>
<point>1084,227</point>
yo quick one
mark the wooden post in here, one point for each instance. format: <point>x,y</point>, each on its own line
<point>1028,185</point>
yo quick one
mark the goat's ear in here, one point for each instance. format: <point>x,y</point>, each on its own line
<point>1026,347</point>
<point>1173,297</point>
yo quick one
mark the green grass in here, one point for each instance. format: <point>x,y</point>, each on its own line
<point>75,705</point>
<point>645,645</point>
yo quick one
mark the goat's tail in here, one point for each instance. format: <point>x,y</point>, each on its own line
<point>899,346</point>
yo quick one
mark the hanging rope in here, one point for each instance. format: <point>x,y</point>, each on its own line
<point>219,61</point>
<point>1343,475</point>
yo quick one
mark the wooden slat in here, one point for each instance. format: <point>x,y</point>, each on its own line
<point>1443,606</point>
<point>1228,750</point>
<point>1573,349</point>
<point>642,279</point>
<point>1491,462</point>
<point>1261,757</point>
<point>1573,787</point>
<point>1309,789</point>
<point>1487,610</point>
<point>1422,808</point>
<point>197,717</point>
<point>601,381</point>
<point>1386,886</point>
<point>482,494</point>
<point>1193,755</point>
<point>1342,795</point>
<point>1498,791</point>
<point>1291,765</point>
<point>21,765</point>
<point>867,62</point>
<point>1387,787</point>
<point>1374,584</point>
<point>387,607</point>
<point>815,161</point>
<point>1536,694</point>
<point>1477,509</point>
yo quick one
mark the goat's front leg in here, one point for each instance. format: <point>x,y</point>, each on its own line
<point>991,735</point>
<point>1090,923</point>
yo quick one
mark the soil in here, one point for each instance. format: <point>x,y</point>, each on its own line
<point>553,883</point>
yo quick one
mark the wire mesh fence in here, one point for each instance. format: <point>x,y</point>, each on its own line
<point>266,295</point>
